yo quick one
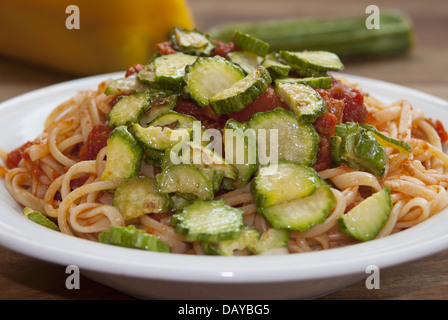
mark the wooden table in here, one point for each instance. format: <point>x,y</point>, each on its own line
<point>425,69</point>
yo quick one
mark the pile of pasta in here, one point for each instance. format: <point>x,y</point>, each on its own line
<point>418,180</point>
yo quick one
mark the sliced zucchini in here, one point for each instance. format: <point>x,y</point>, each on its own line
<point>161,103</point>
<point>312,63</point>
<point>358,148</point>
<point>386,141</point>
<point>303,100</point>
<point>364,221</point>
<point>302,213</point>
<point>39,218</point>
<point>190,153</point>
<point>124,85</point>
<point>159,138</point>
<point>129,109</point>
<point>241,93</point>
<point>250,43</point>
<point>147,76</point>
<point>297,140</point>
<point>315,83</point>
<point>248,61</point>
<point>169,70</point>
<point>174,120</point>
<point>241,151</point>
<point>192,42</point>
<point>124,155</point>
<point>185,179</point>
<point>276,68</point>
<point>210,221</point>
<point>139,196</point>
<point>247,238</point>
<point>283,181</point>
<point>270,239</point>
<point>209,75</point>
<point>131,237</point>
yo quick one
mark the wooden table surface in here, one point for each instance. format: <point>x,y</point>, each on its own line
<point>425,69</point>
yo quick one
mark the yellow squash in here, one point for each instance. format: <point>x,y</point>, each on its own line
<point>112,34</point>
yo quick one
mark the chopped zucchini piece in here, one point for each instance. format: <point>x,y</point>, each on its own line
<point>159,138</point>
<point>315,83</point>
<point>160,104</point>
<point>147,76</point>
<point>131,237</point>
<point>270,239</point>
<point>358,148</point>
<point>250,43</point>
<point>303,100</point>
<point>302,213</point>
<point>276,68</point>
<point>124,155</point>
<point>386,141</point>
<point>124,85</point>
<point>129,109</point>
<point>247,238</point>
<point>241,93</point>
<point>210,221</point>
<point>139,196</point>
<point>185,179</point>
<point>312,63</point>
<point>39,218</point>
<point>364,221</point>
<point>240,150</point>
<point>283,181</point>
<point>192,42</point>
<point>297,140</point>
<point>209,75</point>
<point>248,61</point>
<point>169,70</point>
<point>174,120</point>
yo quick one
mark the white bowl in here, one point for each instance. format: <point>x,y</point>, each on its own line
<point>172,276</point>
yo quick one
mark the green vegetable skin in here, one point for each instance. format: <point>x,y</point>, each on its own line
<point>348,37</point>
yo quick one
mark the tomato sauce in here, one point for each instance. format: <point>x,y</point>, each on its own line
<point>14,157</point>
<point>96,140</point>
<point>440,129</point>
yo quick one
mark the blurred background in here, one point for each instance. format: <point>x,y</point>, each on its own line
<point>26,64</point>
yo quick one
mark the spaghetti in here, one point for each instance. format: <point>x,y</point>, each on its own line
<point>49,175</point>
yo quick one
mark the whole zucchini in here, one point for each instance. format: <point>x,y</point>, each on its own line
<point>348,37</point>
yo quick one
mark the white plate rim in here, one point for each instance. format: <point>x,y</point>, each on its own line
<point>18,234</point>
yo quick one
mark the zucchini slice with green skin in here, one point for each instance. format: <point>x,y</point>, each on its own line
<point>185,179</point>
<point>39,218</point>
<point>159,138</point>
<point>190,153</point>
<point>209,75</point>
<point>169,70</point>
<point>248,61</point>
<point>283,181</point>
<point>131,237</point>
<point>312,63</point>
<point>276,68</point>
<point>240,150</point>
<point>386,141</point>
<point>160,104</point>
<point>139,196</point>
<point>129,109</point>
<point>192,42</point>
<point>297,140</point>
<point>124,85</point>
<point>301,214</point>
<point>364,221</point>
<point>247,238</point>
<point>242,92</point>
<point>270,239</point>
<point>303,100</point>
<point>174,120</point>
<point>250,43</point>
<point>315,83</point>
<point>210,221</point>
<point>124,155</point>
